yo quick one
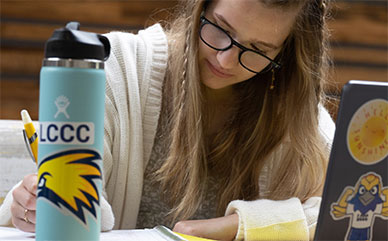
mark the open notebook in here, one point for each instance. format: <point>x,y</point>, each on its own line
<point>159,233</point>
<point>163,233</point>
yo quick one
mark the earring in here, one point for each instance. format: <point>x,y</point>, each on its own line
<point>272,86</point>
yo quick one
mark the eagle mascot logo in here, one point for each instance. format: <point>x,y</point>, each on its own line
<point>362,203</point>
<point>66,180</point>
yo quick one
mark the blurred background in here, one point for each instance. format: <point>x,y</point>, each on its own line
<point>359,40</point>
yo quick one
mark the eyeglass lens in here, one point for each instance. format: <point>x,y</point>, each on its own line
<point>219,40</point>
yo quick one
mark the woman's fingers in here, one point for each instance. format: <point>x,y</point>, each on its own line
<point>222,228</point>
<point>31,183</point>
<point>24,198</point>
<point>24,214</point>
<point>22,218</point>
<point>24,226</point>
<point>24,204</point>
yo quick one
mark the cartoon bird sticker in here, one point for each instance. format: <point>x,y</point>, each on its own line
<point>66,179</point>
<point>362,204</point>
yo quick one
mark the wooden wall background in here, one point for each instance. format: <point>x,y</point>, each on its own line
<point>359,40</point>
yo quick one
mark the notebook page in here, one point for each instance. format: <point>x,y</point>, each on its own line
<point>7,234</point>
<point>139,235</point>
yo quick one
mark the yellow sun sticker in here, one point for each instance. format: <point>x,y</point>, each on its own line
<point>367,135</point>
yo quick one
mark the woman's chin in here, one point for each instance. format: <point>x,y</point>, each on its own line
<point>214,86</point>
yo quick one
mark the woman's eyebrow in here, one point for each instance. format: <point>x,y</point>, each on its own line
<point>268,45</point>
<point>224,21</point>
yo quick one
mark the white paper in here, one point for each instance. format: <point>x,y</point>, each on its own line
<point>139,235</point>
<point>13,234</point>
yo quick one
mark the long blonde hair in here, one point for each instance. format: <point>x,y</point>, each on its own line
<point>265,121</point>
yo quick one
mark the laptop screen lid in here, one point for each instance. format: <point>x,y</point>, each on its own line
<point>355,197</point>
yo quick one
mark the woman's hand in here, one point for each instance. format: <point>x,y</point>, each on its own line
<point>23,207</point>
<point>223,228</point>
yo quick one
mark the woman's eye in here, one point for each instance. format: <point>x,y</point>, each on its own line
<point>226,31</point>
<point>258,50</point>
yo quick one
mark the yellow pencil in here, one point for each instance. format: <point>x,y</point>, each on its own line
<point>32,136</point>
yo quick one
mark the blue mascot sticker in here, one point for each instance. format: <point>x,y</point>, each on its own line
<point>362,203</point>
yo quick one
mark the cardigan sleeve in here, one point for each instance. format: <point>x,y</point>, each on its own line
<point>290,219</point>
<point>135,72</point>
<point>275,220</point>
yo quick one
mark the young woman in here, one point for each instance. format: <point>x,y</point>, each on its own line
<point>215,121</point>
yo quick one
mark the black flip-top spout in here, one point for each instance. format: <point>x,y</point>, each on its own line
<point>71,43</point>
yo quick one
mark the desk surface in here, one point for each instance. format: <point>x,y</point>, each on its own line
<point>115,235</point>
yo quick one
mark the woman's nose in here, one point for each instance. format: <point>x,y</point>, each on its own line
<point>228,59</point>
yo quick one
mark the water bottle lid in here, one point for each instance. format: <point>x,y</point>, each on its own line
<point>70,42</point>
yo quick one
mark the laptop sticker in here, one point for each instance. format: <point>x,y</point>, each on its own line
<point>364,202</point>
<point>367,136</point>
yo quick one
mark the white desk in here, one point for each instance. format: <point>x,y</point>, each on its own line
<point>13,234</point>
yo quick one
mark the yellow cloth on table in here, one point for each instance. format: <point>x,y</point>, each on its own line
<point>192,238</point>
<point>280,231</point>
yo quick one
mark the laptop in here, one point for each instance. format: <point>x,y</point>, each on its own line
<point>355,196</point>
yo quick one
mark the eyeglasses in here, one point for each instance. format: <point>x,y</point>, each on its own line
<point>218,39</point>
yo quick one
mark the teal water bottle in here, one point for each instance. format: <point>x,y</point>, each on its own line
<point>70,150</point>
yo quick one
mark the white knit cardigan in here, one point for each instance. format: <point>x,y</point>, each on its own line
<point>135,72</point>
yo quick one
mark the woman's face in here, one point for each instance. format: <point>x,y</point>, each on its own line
<point>250,23</point>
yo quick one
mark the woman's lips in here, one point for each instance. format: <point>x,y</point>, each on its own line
<point>217,72</point>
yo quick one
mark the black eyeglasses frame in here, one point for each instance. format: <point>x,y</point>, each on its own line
<point>205,21</point>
